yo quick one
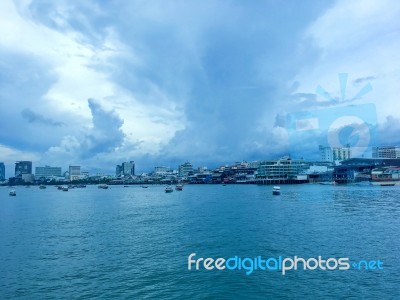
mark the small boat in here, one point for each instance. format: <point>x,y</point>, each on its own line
<point>13,193</point>
<point>42,186</point>
<point>64,188</point>
<point>276,190</point>
<point>179,187</point>
<point>169,189</point>
<point>103,186</point>
<point>387,184</point>
<point>144,186</point>
<point>80,186</point>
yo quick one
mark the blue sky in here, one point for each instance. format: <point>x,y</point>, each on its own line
<point>213,82</point>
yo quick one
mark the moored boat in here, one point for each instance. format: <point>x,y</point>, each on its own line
<point>13,193</point>
<point>179,187</point>
<point>276,190</point>
<point>103,186</point>
<point>42,186</point>
<point>169,189</point>
<point>64,188</point>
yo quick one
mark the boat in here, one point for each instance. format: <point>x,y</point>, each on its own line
<point>179,187</point>
<point>103,186</point>
<point>276,190</point>
<point>328,183</point>
<point>64,188</point>
<point>13,193</point>
<point>169,189</point>
<point>42,186</point>
<point>144,186</point>
<point>387,183</point>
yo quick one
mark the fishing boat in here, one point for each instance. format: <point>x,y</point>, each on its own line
<point>13,193</point>
<point>179,187</point>
<point>276,190</point>
<point>169,189</point>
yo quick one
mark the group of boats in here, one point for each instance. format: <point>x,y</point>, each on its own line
<point>178,187</point>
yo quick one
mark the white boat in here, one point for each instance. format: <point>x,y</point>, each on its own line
<point>13,193</point>
<point>276,190</point>
<point>64,188</point>
<point>179,187</point>
<point>103,186</point>
<point>169,189</point>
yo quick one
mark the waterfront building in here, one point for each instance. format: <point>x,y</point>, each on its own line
<point>74,173</point>
<point>281,169</point>
<point>185,169</point>
<point>2,171</point>
<point>386,152</point>
<point>161,171</point>
<point>47,172</point>
<point>23,168</point>
<point>334,154</point>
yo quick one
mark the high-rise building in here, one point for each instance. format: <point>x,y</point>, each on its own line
<point>74,172</point>
<point>333,154</point>
<point>2,171</point>
<point>386,152</point>
<point>118,170</point>
<point>23,168</point>
<point>128,168</point>
<point>47,171</point>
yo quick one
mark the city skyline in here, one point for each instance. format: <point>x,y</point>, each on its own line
<point>94,85</point>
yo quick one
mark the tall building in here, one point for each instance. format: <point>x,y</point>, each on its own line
<point>333,154</point>
<point>74,172</point>
<point>47,172</point>
<point>23,168</point>
<point>128,168</point>
<point>386,152</point>
<point>2,171</point>
<point>118,170</point>
<point>185,169</point>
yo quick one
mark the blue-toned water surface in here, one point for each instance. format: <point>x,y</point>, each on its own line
<point>134,242</point>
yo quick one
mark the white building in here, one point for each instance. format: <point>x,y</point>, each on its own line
<point>74,173</point>
<point>47,172</point>
<point>161,170</point>
<point>386,152</point>
<point>333,154</point>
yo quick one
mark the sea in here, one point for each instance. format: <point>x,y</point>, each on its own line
<point>134,243</point>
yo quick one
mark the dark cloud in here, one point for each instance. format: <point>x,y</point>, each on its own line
<point>389,131</point>
<point>363,79</point>
<point>33,117</point>
<point>106,133</point>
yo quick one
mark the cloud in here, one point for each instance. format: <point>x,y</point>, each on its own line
<point>363,79</point>
<point>33,117</point>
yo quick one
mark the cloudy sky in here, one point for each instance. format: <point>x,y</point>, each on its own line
<point>97,83</point>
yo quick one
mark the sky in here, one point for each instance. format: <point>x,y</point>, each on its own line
<point>97,83</point>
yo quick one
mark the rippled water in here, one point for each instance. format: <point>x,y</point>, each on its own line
<point>134,243</point>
